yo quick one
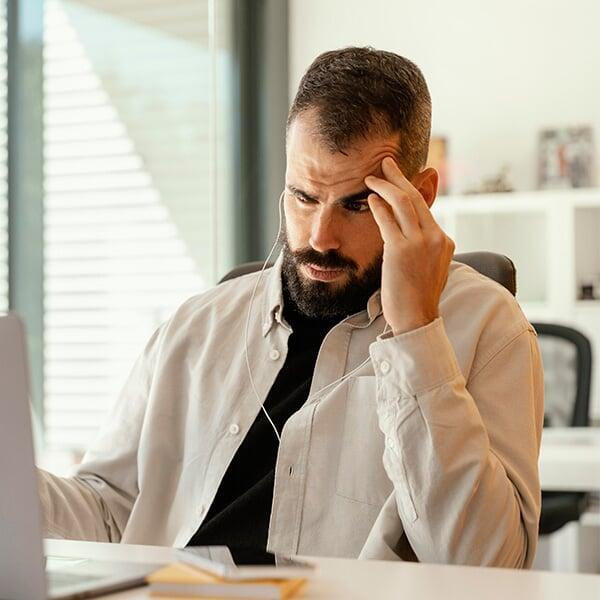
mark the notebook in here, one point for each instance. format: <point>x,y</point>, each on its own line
<point>183,581</point>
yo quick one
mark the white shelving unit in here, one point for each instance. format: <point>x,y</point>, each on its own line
<point>553,237</point>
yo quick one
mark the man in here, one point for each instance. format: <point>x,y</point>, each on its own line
<point>406,390</point>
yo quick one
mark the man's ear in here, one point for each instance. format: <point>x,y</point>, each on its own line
<point>426,182</point>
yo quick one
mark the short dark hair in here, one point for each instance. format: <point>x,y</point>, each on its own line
<point>361,92</point>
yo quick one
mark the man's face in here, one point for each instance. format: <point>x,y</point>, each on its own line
<point>333,250</point>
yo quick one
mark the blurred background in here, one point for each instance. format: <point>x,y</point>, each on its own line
<point>142,155</point>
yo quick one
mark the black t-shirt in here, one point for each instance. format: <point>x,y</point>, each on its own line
<point>241,510</point>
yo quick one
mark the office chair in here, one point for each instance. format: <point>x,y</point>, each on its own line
<point>567,358</point>
<point>495,266</point>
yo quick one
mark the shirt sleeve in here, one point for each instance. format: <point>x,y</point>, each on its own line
<point>94,504</point>
<point>463,457</point>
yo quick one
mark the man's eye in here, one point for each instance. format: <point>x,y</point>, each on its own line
<point>303,199</point>
<point>357,206</point>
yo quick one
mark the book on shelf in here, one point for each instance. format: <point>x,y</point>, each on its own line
<point>184,581</point>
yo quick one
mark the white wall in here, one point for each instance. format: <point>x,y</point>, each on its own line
<point>498,72</point>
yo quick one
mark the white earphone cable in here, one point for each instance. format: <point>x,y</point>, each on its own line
<point>248,321</point>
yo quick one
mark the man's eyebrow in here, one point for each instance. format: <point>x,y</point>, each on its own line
<point>362,195</point>
<point>298,192</point>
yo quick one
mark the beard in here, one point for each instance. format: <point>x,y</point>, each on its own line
<point>322,300</point>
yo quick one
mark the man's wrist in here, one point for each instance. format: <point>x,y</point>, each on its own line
<point>420,360</point>
<point>412,323</point>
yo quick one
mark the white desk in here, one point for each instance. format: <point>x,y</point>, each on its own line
<point>377,580</point>
<point>570,459</point>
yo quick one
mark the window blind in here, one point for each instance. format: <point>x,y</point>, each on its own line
<point>128,233</point>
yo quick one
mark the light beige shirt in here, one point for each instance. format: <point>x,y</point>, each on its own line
<point>429,451</point>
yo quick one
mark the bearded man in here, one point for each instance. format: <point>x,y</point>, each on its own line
<point>364,397</point>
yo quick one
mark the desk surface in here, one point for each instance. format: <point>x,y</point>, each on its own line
<point>570,459</point>
<point>358,580</point>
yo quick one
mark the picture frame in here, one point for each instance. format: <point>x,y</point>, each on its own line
<point>566,158</point>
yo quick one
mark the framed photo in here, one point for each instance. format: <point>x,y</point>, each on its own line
<point>438,159</point>
<point>566,158</point>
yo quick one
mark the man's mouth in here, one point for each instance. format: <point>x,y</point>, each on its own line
<point>321,274</point>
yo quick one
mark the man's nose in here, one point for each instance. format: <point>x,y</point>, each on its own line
<point>324,234</point>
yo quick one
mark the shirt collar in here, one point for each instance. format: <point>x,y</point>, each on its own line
<point>374,308</point>
<point>273,304</point>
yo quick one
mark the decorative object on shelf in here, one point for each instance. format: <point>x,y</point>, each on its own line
<point>566,158</point>
<point>586,291</point>
<point>589,287</point>
<point>494,185</point>
<point>438,159</point>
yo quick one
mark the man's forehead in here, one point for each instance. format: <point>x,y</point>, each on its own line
<point>312,160</point>
<point>334,169</point>
<point>327,168</point>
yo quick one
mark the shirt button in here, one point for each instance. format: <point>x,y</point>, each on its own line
<point>234,429</point>
<point>274,354</point>
<point>201,510</point>
<point>384,366</point>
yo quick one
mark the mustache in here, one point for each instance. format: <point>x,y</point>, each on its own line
<point>328,260</point>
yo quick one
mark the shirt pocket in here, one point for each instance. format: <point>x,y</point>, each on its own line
<point>361,476</point>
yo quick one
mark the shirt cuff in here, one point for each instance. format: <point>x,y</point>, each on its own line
<point>415,361</point>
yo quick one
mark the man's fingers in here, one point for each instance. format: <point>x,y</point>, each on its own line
<point>384,217</point>
<point>394,174</point>
<point>402,206</point>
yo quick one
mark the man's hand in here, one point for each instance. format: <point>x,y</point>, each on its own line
<point>416,252</point>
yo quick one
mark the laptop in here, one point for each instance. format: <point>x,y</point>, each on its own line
<point>24,574</point>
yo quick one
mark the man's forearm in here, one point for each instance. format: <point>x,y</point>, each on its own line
<point>467,486</point>
<point>73,510</point>
<point>465,510</point>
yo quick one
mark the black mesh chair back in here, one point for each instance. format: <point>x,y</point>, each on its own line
<point>567,358</point>
<point>495,266</point>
